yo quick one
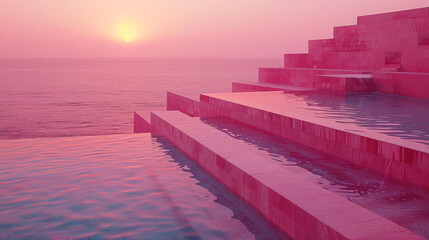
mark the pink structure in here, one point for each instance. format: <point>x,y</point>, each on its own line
<point>383,53</point>
<point>142,122</point>
<point>392,47</point>
<point>397,41</point>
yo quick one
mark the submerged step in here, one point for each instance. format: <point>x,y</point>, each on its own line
<point>293,203</point>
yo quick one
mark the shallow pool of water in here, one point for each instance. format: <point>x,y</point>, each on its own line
<point>403,117</point>
<point>131,186</point>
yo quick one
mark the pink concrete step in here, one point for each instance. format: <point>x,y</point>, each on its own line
<point>345,32</point>
<point>380,39</point>
<point>142,122</point>
<point>403,158</point>
<point>261,86</point>
<point>294,204</point>
<point>297,60</point>
<point>186,103</point>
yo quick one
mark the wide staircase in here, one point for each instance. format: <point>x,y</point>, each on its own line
<point>335,145</point>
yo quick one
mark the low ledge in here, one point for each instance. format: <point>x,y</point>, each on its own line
<point>142,122</point>
<point>273,191</point>
<point>402,83</point>
<point>187,104</point>
<point>361,76</point>
<point>346,71</point>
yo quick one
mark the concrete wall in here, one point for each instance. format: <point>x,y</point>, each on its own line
<point>299,60</point>
<point>303,77</point>
<point>405,84</point>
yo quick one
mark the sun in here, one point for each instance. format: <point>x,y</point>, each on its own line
<point>127,32</point>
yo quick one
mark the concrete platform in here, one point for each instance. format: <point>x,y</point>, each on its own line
<point>402,157</point>
<point>300,208</point>
<point>186,103</point>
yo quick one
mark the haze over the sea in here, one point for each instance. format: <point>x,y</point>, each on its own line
<point>179,28</point>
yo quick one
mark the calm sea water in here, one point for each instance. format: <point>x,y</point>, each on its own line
<point>123,186</point>
<point>65,97</point>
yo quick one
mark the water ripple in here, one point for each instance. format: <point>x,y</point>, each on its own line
<point>115,187</point>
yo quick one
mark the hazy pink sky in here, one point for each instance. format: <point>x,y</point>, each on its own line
<point>176,28</point>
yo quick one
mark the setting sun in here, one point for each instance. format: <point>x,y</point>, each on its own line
<point>127,32</point>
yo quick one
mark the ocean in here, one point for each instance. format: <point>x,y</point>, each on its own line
<point>81,97</point>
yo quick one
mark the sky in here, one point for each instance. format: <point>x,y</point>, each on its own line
<point>175,28</point>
